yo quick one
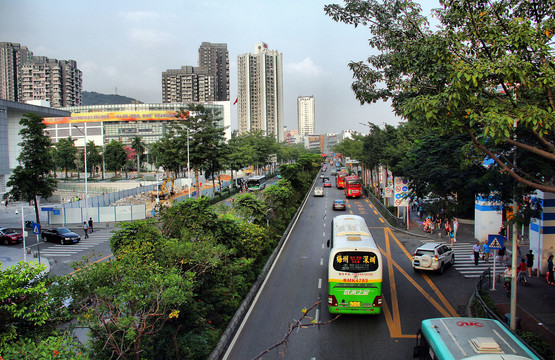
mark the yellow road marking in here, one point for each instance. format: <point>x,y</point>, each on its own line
<point>442,298</point>
<point>375,212</point>
<point>383,222</point>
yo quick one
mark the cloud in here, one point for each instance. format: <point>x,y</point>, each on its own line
<point>140,16</point>
<point>305,67</point>
<point>150,38</point>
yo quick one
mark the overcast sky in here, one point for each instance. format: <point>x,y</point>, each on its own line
<point>124,46</point>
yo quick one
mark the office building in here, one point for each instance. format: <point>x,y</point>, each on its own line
<point>11,112</point>
<point>214,58</point>
<point>25,77</point>
<point>305,115</point>
<point>260,91</point>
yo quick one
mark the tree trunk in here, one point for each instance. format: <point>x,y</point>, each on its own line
<point>196,181</point>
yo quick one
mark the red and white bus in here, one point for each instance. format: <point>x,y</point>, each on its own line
<point>340,179</point>
<point>352,187</point>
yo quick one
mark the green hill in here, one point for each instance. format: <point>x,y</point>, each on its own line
<point>94,98</point>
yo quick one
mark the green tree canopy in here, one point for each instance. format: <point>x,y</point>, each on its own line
<point>65,154</point>
<point>487,69</point>
<point>115,156</point>
<point>31,179</point>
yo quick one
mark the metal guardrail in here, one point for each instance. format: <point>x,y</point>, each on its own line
<point>391,219</point>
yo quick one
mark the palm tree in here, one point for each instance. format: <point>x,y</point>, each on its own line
<point>139,146</point>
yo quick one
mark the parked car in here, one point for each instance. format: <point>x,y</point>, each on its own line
<point>318,191</point>
<point>339,204</point>
<point>60,235</point>
<point>327,183</point>
<point>10,236</point>
<point>433,256</point>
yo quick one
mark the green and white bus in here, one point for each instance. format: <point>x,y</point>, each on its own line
<point>256,183</point>
<point>354,268</point>
<point>461,338</point>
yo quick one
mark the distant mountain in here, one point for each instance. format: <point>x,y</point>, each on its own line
<point>94,98</point>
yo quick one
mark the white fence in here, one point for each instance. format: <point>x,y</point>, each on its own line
<point>64,216</point>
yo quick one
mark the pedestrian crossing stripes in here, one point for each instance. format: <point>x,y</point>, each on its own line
<point>464,261</point>
<point>94,239</point>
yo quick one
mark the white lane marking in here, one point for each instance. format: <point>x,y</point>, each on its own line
<point>319,283</point>
<point>317,317</point>
<point>322,246</point>
<point>321,261</point>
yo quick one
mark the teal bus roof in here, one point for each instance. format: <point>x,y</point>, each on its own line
<point>473,338</point>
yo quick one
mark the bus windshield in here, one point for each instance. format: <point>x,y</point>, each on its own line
<point>355,261</point>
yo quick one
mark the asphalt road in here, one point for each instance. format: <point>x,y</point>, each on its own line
<point>298,280</point>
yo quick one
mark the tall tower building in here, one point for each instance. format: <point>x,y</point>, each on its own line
<point>26,77</point>
<point>214,58</point>
<point>260,91</point>
<point>305,115</point>
<point>12,58</point>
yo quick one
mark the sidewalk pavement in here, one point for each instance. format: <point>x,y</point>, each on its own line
<point>535,302</point>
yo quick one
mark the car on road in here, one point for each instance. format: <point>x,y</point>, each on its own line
<point>60,235</point>
<point>339,204</point>
<point>333,171</point>
<point>327,183</point>
<point>318,191</point>
<point>10,236</point>
<point>433,256</point>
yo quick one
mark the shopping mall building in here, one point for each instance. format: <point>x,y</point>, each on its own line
<point>104,123</point>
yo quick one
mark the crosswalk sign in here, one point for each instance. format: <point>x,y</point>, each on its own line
<point>36,228</point>
<point>495,241</point>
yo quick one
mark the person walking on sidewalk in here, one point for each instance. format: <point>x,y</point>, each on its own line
<point>91,225</point>
<point>455,228</point>
<point>550,270</point>
<point>86,229</point>
<point>476,250</point>
<point>486,252</point>
<point>521,272</point>
<point>529,262</point>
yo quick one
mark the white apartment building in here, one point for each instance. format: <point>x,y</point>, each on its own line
<point>260,91</point>
<point>305,115</point>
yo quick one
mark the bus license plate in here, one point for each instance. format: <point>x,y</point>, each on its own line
<point>355,303</point>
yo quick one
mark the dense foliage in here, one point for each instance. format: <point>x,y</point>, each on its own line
<point>94,98</point>
<point>172,287</point>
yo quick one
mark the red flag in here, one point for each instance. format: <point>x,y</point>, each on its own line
<point>236,101</point>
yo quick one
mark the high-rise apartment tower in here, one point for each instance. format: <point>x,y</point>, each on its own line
<point>215,59</point>
<point>260,91</point>
<point>305,115</point>
<point>26,77</point>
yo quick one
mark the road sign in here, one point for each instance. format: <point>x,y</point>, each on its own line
<point>495,241</point>
<point>36,228</point>
<point>46,209</point>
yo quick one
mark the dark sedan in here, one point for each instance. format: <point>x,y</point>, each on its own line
<point>10,236</point>
<point>60,235</point>
<point>339,205</point>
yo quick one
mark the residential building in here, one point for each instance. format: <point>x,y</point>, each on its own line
<point>25,77</point>
<point>214,58</point>
<point>205,83</point>
<point>305,115</point>
<point>260,91</point>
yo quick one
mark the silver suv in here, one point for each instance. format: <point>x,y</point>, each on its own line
<point>433,256</point>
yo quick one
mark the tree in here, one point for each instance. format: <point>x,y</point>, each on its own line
<point>94,156</point>
<point>31,178</point>
<point>65,154</point>
<point>139,146</point>
<point>115,156</point>
<point>488,71</point>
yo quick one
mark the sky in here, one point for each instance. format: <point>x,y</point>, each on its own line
<point>123,46</point>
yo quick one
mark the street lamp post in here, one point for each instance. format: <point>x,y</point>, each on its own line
<point>86,171</point>
<point>188,168</point>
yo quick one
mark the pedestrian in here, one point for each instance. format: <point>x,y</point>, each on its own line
<point>486,252</point>
<point>455,228</point>
<point>91,225</point>
<point>476,250</point>
<point>550,270</point>
<point>502,254</point>
<point>529,262</point>
<point>503,232</point>
<point>86,229</point>
<point>521,271</point>
<point>447,228</point>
